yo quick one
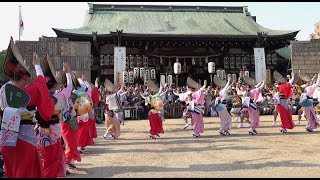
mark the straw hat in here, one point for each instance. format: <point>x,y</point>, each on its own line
<point>305,77</point>
<point>218,81</point>
<point>13,60</point>
<point>278,77</point>
<point>110,86</point>
<point>192,83</point>
<point>152,86</point>
<point>249,81</point>
<point>48,69</point>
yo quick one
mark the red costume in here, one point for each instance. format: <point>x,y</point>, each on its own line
<point>23,161</point>
<point>283,108</point>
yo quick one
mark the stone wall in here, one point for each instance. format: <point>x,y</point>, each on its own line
<point>77,54</point>
<point>305,57</point>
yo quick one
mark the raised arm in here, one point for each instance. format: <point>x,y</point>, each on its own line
<point>318,81</point>
<point>292,79</point>
<point>96,83</point>
<point>261,85</point>
<point>36,63</point>
<point>203,88</point>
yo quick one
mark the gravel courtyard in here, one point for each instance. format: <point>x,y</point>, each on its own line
<point>177,154</point>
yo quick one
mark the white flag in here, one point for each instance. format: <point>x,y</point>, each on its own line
<point>21,25</point>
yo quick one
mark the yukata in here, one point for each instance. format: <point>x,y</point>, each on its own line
<point>309,109</point>
<point>196,106</point>
<point>283,107</point>
<point>21,157</point>
<point>114,113</point>
<point>83,107</point>
<point>155,121</point>
<point>70,128</point>
<point>54,158</point>
<point>253,111</point>
<point>224,115</point>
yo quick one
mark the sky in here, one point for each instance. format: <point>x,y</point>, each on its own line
<point>40,17</point>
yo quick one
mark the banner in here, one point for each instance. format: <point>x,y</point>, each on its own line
<point>260,64</point>
<point>119,64</point>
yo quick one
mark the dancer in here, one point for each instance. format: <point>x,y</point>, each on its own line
<point>243,92</point>
<point>221,108</point>
<point>69,124</point>
<point>114,110</point>
<point>196,106</point>
<point>306,102</point>
<point>281,101</point>
<point>50,132</point>
<point>250,103</point>
<point>83,107</point>
<point>20,154</point>
<point>156,126</point>
<point>186,97</point>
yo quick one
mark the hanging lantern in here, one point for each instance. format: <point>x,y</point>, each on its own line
<point>147,74</point>
<point>234,78</point>
<point>169,79</point>
<point>142,71</point>
<point>246,73</point>
<point>131,77</point>
<point>153,74</point>
<point>145,61</point>
<point>135,72</point>
<point>177,68</point>
<point>125,77</point>
<point>132,62</point>
<point>211,67</point>
<point>223,73</point>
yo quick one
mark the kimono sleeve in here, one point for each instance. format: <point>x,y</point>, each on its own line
<point>40,97</point>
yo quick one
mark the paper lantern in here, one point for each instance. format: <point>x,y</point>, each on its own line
<point>211,67</point>
<point>147,74</point>
<point>153,74</point>
<point>169,79</point>
<point>131,77</point>
<point>177,68</point>
<point>246,73</point>
<point>125,76</point>
<point>135,72</point>
<point>142,71</point>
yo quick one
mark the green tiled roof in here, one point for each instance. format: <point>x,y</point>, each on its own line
<point>161,20</point>
<point>284,52</point>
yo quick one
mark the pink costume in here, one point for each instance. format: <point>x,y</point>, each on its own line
<point>309,111</point>
<point>255,96</point>
<point>197,102</point>
<point>50,145</point>
<point>224,115</point>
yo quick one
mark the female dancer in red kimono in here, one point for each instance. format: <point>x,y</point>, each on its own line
<point>155,120</point>
<point>82,107</point>
<point>50,132</point>
<point>284,93</point>
<point>69,124</point>
<point>22,160</point>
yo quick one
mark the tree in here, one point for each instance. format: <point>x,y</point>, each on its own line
<point>3,77</point>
